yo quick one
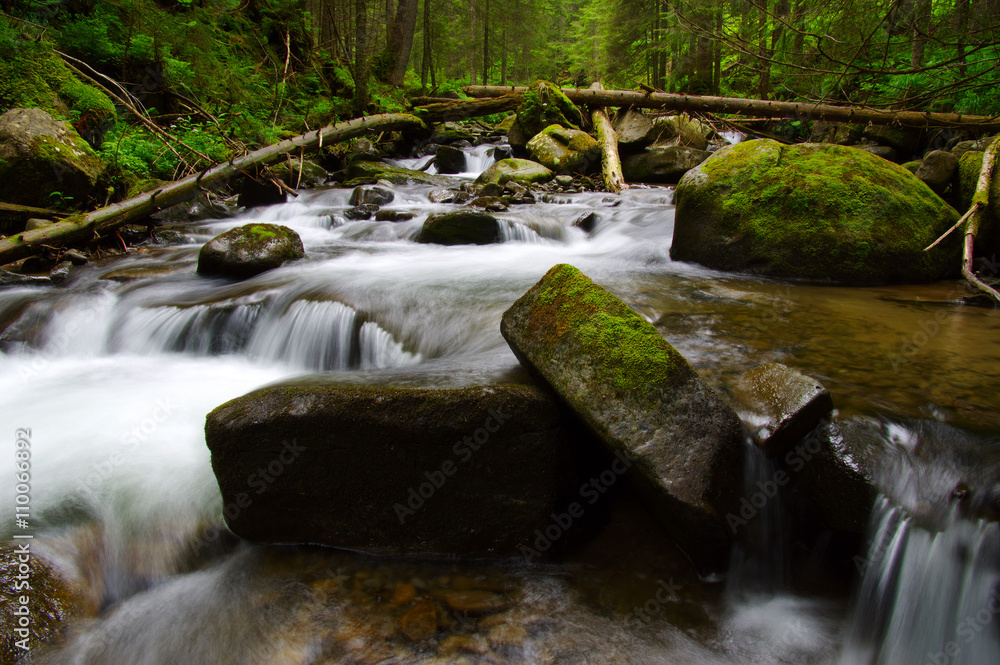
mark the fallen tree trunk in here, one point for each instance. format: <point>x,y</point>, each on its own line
<point>611,163</point>
<point>85,226</point>
<point>463,109</point>
<point>754,107</point>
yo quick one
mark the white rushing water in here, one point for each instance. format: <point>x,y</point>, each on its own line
<point>114,377</point>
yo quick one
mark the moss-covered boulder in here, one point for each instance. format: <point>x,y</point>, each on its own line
<point>662,165</point>
<point>545,104</point>
<point>249,250</point>
<point>642,398</point>
<point>470,471</point>
<point>969,165</point>
<point>565,150</point>
<point>937,170</point>
<point>44,161</point>
<point>368,173</point>
<point>462,227</point>
<point>523,171</point>
<point>813,211</point>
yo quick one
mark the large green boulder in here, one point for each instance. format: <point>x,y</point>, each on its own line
<point>462,227</point>
<point>44,162</point>
<point>522,171</point>
<point>814,211</point>
<point>467,471</point>
<point>545,104</point>
<point>249,250</point>
<point>565,150</point>
<point>683,444</point>
<point>364,172</point>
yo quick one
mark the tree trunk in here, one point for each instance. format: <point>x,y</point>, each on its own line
<point>401,39</point>
<point>85,226</point>
<point>758,108</point>
<point>486,43</point>
<point>360,56</point>
<point>921,26</point>
<point>611,164</point>
<point>425,53</point>
<point>458,109</point>
<point>961,27</point>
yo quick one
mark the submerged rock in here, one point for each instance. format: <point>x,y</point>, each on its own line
<point>522,171</point>
<point>373,195</point>
<point>642,398</point>
<point>471,471</point>
<point>662,165</point>
<point>784,404</point>
<point>462,227</point>
<point>565,150</point>
<point>42,158</point>
<point>249,250</point>
<point>814,211</point>
<point>50,602</point>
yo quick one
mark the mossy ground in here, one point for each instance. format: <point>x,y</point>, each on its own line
<point>813,211</point>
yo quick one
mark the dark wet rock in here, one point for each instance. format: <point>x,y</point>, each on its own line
<point>635,131</point>
<point>443,195</point>
<point>518,139</point>
<point>784,405</point>
<point>938,170</point>
<point>522,171</point>
<point>50,602</point>
<point>8,278</point>
<point>371,172</point>
<point>249,250</point>
<point>259,190</point>
<point>814,211</point>
<point>501,152</point>
<point>489,203</point>
<point>662,165</point>
<point>565,150</point>
<point>393,216</point>
<point>420,621</point>
<point>904,141</point>
<point>587,222</point>
<point>885,152</point>
<point>132,273</point>
<point>42,159</point>
<point>376,195</point>
<point>470,471</point>
<point>642,398</point>
<point>449,159</point>
<point>60,273</point>
<point>836,468</point>
<point>361,212</point>
<point>76,257</point>
<point>913,166</point>
<point>462,227</point>
<point>545,104</point>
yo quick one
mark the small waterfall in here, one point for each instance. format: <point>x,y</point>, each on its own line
<point>311,334</point>
<point>761,560</point>
<point>926,598</point>
<point>518,232</point>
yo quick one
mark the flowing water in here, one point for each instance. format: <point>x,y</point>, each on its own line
<point>115,370</point>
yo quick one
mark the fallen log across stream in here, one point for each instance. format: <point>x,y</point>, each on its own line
<point>754,107</point>
<point>86,226</point>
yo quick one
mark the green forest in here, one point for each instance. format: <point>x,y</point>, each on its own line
<point>225,75</point>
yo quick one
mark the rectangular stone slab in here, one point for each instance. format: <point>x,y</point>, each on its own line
<point>470,471</point>
<point>642,398</point>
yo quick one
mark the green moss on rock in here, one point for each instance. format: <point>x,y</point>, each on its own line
<point>814,211</point>
<point>249,250</point>
<point>522,171</point>
<point>565,150</point>
<point>365,172</point>
<point>545,104</point>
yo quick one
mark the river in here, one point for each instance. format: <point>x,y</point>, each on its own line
<point>115,370</point>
